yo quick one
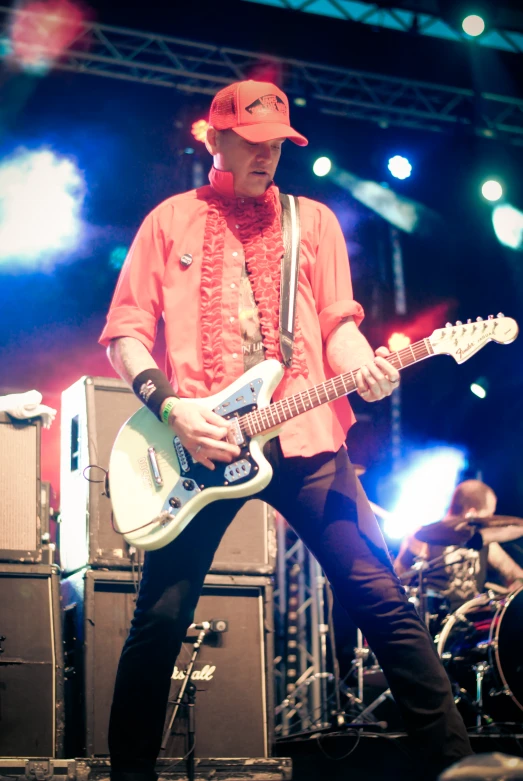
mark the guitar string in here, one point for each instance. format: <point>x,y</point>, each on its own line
<point>258,420</point>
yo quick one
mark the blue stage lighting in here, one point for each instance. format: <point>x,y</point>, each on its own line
<point>41,196</point>
<point>399,167</point>
<point>492,190</point>
<point>426,489</point>
<point>473,25</point>
<point>508,226</point>
<point>322,166</point>
<point>117,257</point>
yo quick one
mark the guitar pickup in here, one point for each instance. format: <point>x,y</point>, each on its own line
<point>238,435</point>
<point>237,470</point>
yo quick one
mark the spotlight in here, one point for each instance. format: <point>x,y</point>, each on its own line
<point>478,390</point>
<point>492,190</point>
<point>508,226</point>
<point>322,166</point>
<point>398,341</point>
<point>426,488</point>
<point>399,167</point>
<point>41,197</point>
<point>117,257</point>
<point>199,129</point>
<point>473,25</point>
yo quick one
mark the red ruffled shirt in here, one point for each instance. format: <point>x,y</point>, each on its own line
<point>154,282</point>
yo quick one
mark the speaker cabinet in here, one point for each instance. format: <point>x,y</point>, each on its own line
<point>232,675</point>
<point>21,526</point>
<point>233,672</point>
<point>31,662</point>
<point>93,411</point>
<point>249,544</point>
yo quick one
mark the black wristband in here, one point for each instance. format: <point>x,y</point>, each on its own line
<point>152,388</point>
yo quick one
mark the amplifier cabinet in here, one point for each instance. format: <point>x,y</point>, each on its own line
<point>31,662</point>
<point>234,704</point>
<point>249,544</point>
<point>233,671</point>
<point>93,411</point>
<point>21,526</point>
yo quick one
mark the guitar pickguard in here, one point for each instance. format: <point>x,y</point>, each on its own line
<point>194,477</point>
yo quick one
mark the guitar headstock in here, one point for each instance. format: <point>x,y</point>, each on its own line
<point>463,340</point>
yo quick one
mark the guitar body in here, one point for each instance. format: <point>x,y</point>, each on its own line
<point>157,488</point>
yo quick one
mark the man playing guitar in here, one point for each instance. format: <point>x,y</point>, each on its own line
<point>209,262</point>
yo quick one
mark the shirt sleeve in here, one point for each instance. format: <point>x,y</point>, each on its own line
<point>138,301</point>
<point>331,280</point>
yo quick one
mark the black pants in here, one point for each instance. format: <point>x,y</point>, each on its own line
<point>324,502</point>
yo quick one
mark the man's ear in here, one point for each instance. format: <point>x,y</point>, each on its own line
<point>211,140</point>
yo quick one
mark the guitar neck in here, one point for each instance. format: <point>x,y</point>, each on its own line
<point>278,412</point>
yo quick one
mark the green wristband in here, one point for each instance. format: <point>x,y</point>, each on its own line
<point>167,410</point>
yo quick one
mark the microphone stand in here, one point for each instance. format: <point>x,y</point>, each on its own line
<point>189,687</point>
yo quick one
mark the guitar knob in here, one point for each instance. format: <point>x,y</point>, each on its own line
<point>479,319</point>
<point>500,314</point>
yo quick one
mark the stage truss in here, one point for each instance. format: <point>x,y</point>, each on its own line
<point>193,67</point>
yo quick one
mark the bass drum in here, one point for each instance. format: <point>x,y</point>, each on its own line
<point>490,632</point>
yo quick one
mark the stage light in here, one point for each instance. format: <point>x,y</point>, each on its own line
<point>508,226</point>
<point>492,190</point>
<point>300,102</point>
<point>38,40</point>
<point>117,257</point>
<point>199,130</point>
<point>426,489</point>
<point>473,25</point>
<point>398,341</point>
<point>41,196</point>
<point>322,166</point>
<point>399,167</point>
<point>478,390</point>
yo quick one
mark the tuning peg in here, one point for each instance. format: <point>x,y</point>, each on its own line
<point>458,322</point>
<point>491,317</point>
<point>479,319</point>
<point>500,314</point>
<point>448,325</point>
<point>469,320</point>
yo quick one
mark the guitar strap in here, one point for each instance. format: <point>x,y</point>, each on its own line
<point>290,266</point>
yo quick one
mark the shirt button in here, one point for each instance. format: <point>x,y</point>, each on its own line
<point>231,319</point>
<point>237,227</point>
<point>235,254</point>
<point>235,355</point>
<point>233,285</point>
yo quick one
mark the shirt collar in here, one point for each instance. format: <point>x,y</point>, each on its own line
<point>223,183</point>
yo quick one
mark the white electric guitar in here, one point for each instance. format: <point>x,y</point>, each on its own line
<point>157,488</point>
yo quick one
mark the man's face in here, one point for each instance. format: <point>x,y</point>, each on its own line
<point>252,165</point>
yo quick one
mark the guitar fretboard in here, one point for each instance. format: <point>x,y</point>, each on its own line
<point>279,411</point>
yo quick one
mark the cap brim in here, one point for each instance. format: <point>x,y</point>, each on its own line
<point>267,131</point>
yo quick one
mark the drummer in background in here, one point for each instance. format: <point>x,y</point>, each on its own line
<point>463,570</point>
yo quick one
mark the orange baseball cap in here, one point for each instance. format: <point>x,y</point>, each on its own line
<point>256,110</point>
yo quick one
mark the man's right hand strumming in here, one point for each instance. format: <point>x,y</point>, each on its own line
<point>203,433</point>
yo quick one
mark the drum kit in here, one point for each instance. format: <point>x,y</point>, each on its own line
<point>480,643</point>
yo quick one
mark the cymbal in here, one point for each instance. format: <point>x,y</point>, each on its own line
<point>458,530</point>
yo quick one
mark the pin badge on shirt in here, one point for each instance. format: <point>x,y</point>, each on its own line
<point>186,260</point>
